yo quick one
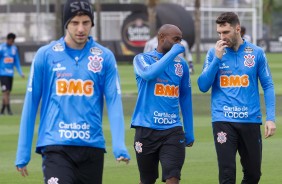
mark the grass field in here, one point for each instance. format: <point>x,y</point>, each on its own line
<point>200,165</point>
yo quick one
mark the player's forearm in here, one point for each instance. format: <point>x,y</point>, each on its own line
<point>149,72</point>
<point>270,102</point>
<point>19,69</point>
<point>116,119</point>
<point>118,137</point>
<point>208,75</point>
<point>26,134</point>
<point>31,104</point>
<point>187,113</point>
<point>189,129</point>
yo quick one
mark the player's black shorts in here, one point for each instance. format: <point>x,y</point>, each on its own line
<point>6,83</point>
<point>164,146</point>
<point>244,138</point>
<point>72,164</point>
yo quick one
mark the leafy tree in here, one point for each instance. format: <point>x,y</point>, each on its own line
<point>271,11</point>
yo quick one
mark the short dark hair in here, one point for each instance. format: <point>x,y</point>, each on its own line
<point>228,17</point>
<point>11,36</point>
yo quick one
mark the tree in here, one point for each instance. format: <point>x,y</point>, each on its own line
<point>98,20</point>
<point>151,8</point>
<point>58,14</point>
<point>198,30</point>
<point>271,11</point>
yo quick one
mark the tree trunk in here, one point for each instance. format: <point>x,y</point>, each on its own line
<point>27,25</point>
<point>151,8</point>
<point>98,20</point>
<point>58,13</point>
<point>198,30</point>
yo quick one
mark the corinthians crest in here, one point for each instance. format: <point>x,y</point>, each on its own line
<point>138,147</point>
<point>221,137</point>
<point>178,69</point>
<point>249,60</point>
<point>95,63</point>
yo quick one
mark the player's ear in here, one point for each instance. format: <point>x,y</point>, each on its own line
<point>160,35</point>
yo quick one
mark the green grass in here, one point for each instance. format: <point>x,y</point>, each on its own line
<point>200,165</point>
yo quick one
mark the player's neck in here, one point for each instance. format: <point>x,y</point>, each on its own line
<point>236,46</point>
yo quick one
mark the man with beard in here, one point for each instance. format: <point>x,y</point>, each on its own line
<point>164,87</point>
<point>233,69</point>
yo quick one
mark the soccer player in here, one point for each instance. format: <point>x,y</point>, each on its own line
<point>9,58</point>
<point>153,43</point>
<point>233,69</point>
<point>71,76</point>
<point>164,87</point>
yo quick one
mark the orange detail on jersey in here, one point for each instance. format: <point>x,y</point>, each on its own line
<point>8,60</point>
<point>166,90</point>
<point>74,87</point>
<point>234,81</point>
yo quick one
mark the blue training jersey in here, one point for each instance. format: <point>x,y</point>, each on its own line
<point>9,57</point>
<point>235,88</point>
<point>164,85</point>
<point>72,89</point>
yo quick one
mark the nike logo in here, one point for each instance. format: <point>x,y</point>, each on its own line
<point>55,62</point>
<point>181,141</point>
